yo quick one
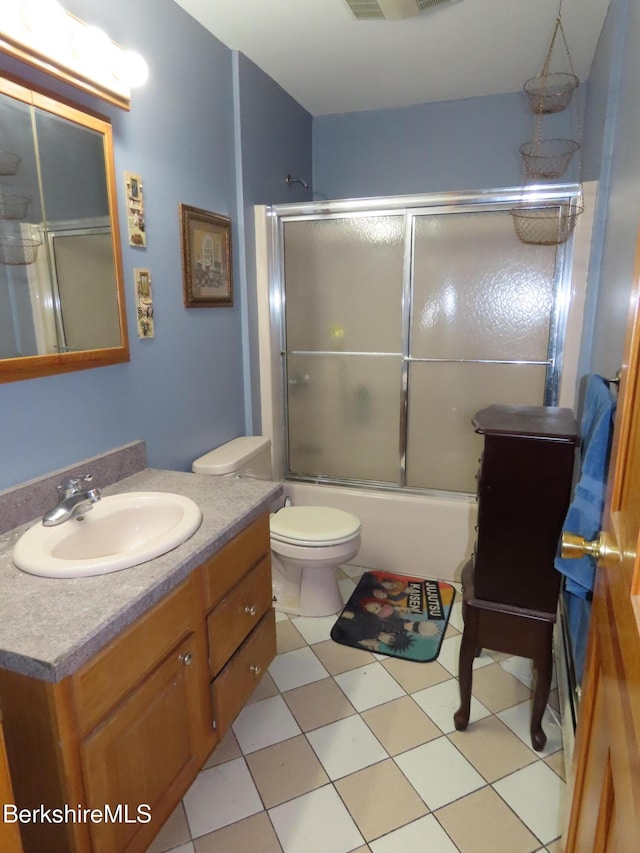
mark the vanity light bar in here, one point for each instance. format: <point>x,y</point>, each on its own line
<point>46,36</point>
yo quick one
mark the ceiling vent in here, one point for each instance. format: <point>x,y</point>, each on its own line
<point>392,10</point>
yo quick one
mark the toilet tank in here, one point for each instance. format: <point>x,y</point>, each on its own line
<point>249,456</point>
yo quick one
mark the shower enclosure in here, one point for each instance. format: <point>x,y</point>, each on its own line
<point>397,319</point>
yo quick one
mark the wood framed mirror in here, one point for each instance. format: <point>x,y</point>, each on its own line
<point>62,302</point>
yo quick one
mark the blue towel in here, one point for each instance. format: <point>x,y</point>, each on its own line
<point>584,516</point>
<point>578,612</point>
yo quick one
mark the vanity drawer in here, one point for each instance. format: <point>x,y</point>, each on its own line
<point>224,569</point>
<point>240,677</point>
<point>102,682</point>
<point>238,614</point>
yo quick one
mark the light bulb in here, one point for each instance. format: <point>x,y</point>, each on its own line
<point>42,15</point>
<point>132,68</point>
<point>90,43</point>
<point>11,18</point>
<point>97,41</point>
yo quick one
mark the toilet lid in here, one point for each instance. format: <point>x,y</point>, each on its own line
<point>314,525</point>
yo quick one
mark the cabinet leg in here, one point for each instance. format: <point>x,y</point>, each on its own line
<point>543,664</point>
<point>468,650</point>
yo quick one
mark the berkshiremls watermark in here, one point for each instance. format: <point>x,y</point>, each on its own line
<point>121,813</point>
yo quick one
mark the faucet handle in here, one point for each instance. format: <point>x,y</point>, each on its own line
<point>71,485</point>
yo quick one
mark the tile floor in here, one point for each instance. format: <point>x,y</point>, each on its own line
<point>342,750</point>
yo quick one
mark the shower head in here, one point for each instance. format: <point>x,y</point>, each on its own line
<point>290,180</point>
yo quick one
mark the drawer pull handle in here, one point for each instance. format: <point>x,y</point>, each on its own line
<point>186,658</point>
<point>255,668</point>
<point>251,609</point>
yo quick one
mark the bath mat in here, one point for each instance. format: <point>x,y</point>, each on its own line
<point>396,615</point>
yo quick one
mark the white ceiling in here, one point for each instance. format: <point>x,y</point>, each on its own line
<point>331,63</point>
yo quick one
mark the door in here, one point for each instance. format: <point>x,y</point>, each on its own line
<point>138,761</point>
<point>604,813</point>
<point>483,329</point>
<point>399,324</point>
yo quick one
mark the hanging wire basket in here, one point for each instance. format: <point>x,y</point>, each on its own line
<point>13,206</point>
<point>545,225</point>
<point>18,251</point>
<point>9,163</point>
<point>548,158</point>
<point>550,92</point>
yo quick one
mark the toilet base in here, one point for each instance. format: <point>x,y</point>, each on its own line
<point>307,591</point>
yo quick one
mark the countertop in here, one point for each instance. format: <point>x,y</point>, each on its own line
<point>49,627</point>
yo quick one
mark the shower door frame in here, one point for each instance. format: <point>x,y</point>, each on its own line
<point>411,206</point>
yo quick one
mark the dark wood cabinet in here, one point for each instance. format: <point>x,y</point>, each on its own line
<point>510,586</point>
<point>524,486</point>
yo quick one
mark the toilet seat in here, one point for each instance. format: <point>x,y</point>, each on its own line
<point>313,526</point>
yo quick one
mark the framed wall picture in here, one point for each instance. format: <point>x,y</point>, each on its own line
<point>144,303</point>
<point>135,210</point>
<point>206,258</point>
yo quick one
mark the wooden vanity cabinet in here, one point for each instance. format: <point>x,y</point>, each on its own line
<point>10,841</point>
<point>240,620</point>
<point>132,727</point>
<point>144,738</point>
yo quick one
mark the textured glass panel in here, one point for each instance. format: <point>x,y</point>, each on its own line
<point>442,448</point>
<point>343,284</point>
<point>478,292</point>
<point>344,415</point>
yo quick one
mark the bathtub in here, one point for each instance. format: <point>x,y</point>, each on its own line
<point>419,535</point>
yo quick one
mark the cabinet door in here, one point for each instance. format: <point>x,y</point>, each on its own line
<point>9,833</point>
<point>140,760</point>
<point>103,682</point>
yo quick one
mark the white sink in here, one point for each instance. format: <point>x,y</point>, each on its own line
<point>120,531</point>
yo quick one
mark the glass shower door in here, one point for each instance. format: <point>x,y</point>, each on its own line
<point>343,346</point>
<point>480,331</point>
<point>398,325</point>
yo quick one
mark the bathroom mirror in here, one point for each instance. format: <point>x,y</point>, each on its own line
<point>61,288</point>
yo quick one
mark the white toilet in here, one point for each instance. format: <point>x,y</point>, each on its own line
<point>308,543</point>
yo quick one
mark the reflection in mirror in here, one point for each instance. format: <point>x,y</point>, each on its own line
<point>61,294</point>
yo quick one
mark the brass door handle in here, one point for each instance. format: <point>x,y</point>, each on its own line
<point>574,546</point>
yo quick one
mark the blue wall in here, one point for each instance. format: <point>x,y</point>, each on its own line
<point>451,145</point>
<point>184,391</point>
<point>275,141</point>
<point>616,73</point>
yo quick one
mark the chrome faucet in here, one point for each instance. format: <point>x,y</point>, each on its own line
<point>74,500</point>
